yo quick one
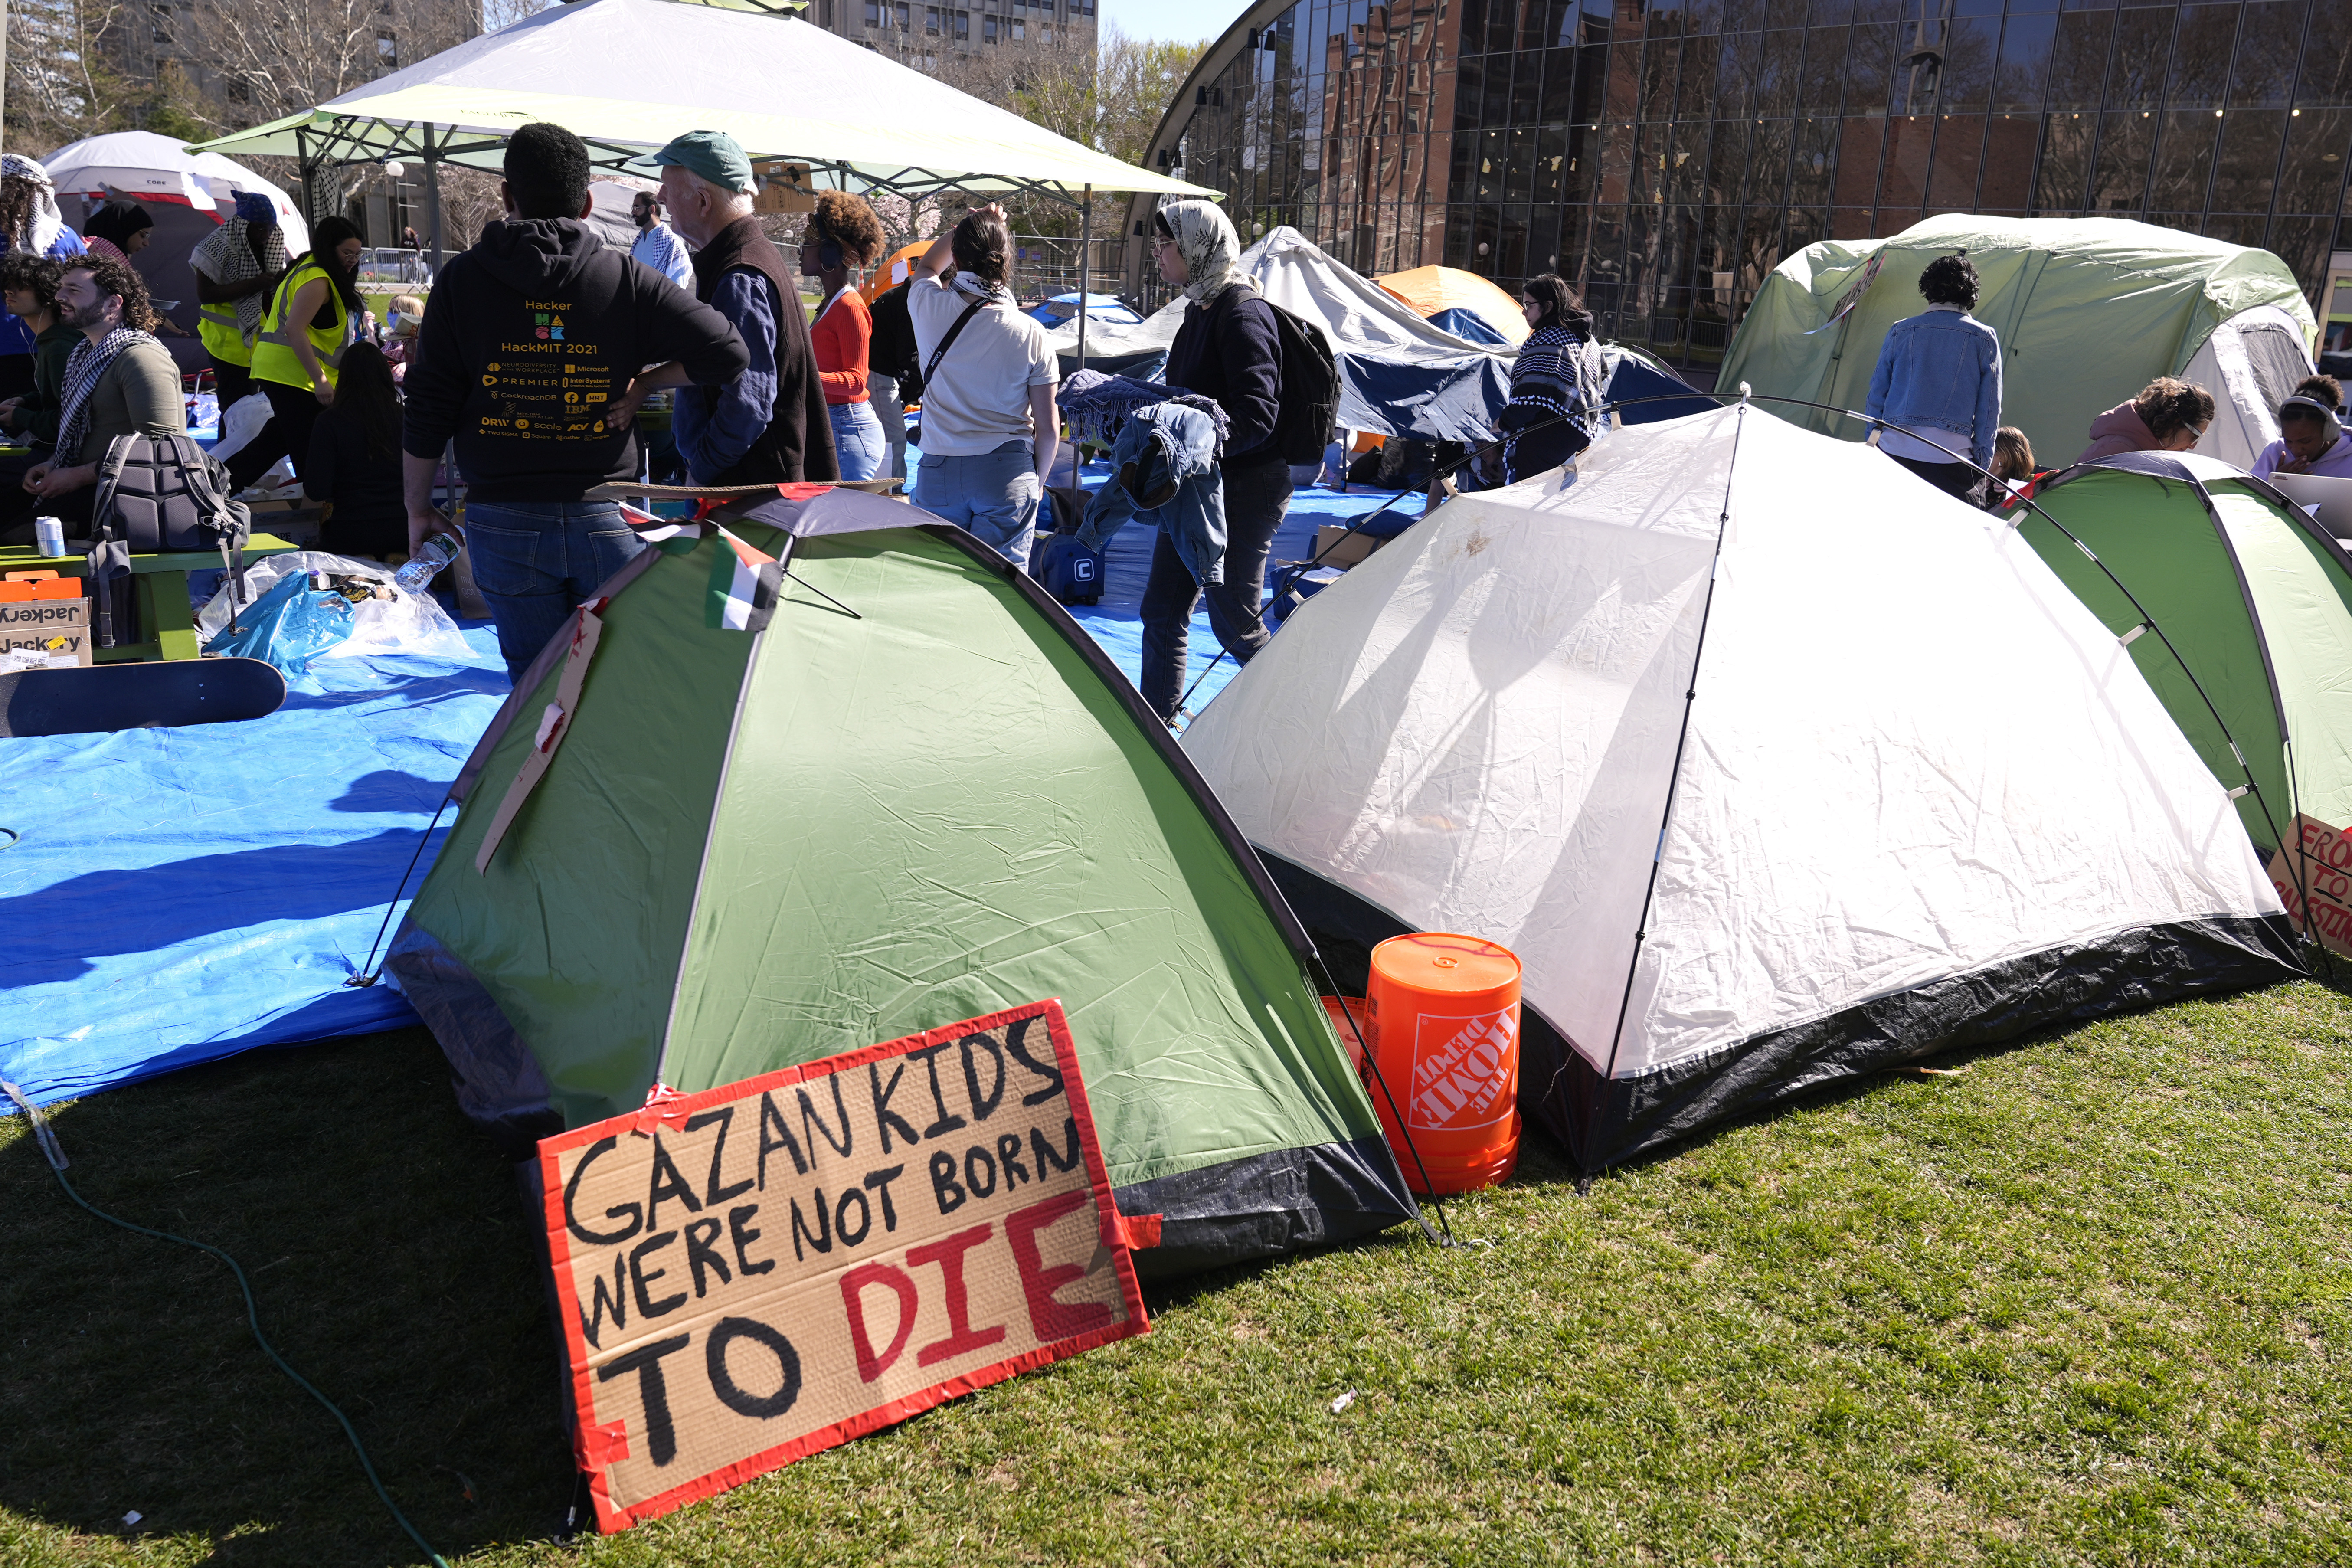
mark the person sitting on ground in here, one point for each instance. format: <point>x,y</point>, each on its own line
<point>119,382</point>
<point>1551,381</point>
<point>2169,416</point>
<point>844,234</point>
<point>769,424</point>
<point>2311,436</point>
<point>1229,350</point>
<point>541,281</point>
<point>1936,387</point>
<point>2012,465</point>
<point>353,464</point>
<point>990,426</point>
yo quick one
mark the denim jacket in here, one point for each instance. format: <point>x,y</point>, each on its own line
<point>1941,367</point>
<point>1165,444</point>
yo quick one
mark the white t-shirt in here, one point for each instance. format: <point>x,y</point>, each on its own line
<point>980,398</point>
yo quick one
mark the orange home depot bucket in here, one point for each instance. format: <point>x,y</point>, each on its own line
<point>1353,1039</point>
<point>1445,1032</point>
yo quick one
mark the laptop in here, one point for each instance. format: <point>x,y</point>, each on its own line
<point>2329,501</point>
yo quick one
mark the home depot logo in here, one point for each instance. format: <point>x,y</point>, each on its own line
<point>1464,1081</point>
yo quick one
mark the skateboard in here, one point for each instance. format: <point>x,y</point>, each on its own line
<point>154,695</point>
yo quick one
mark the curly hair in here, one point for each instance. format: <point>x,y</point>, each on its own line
<point>26,273</point>
<point>1949,280</point>
<point>19,199</point>
<point>845,219</point>
<point>2165,406</point>
<point>120,279</point>
<point>2318,388</point>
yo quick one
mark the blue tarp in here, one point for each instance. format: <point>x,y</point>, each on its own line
<point>181,895</point>
<point>1465,322</point>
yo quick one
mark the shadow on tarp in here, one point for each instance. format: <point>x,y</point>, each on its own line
<point>53,935</point>
<point>390,790</point>
<point>393,1266</point>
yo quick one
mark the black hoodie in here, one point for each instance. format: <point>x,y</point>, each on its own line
<point>526,337</point>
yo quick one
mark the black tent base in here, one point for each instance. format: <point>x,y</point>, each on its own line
<point>1604,1121</point>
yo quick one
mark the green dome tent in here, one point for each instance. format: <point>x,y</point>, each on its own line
<point>2254,600</point>
<point>912,793</point>
<point>2089,310</point>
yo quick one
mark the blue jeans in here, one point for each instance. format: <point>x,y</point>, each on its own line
<point>857,441</point>
<point>882,396</point>
<point>993,495</point>
<point>1257,497</point>
<point>536,561</point>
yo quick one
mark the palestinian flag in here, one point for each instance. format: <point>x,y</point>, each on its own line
<point>744,583</point>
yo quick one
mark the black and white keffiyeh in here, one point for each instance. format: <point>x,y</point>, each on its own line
<point>1557,375</point>
<point>87,366</point>
<point>226,255</point>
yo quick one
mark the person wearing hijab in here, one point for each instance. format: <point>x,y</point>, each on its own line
<point>30,219</point>
<point>1556,377</point>
<point>119,230</point>
<point>1228,350</point>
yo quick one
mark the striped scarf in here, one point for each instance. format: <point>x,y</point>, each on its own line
<point>88,365</point>
<point>226,255</point>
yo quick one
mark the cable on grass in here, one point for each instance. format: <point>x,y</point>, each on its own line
<point>51,1151</point>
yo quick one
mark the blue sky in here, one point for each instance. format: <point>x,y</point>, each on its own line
<point>1185,20</point>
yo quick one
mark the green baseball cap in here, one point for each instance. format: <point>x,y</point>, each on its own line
<point>713,154</point>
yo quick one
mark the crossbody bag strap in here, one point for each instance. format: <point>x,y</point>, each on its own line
<point>932,367</point>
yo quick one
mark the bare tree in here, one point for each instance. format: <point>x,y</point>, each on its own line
<point>62,83</point>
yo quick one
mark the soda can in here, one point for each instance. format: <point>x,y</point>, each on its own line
<point>49,535</point>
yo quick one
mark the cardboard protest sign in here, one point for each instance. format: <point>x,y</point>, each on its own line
<point>756,1272</point>
<point>2316,883</point>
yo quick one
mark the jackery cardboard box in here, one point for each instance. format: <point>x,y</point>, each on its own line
<point>753,1273</point>
<point>59,627</point>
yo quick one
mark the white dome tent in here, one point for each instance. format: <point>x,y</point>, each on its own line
<point>1773,764</point>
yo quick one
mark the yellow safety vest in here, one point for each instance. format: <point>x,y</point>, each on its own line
<point>273,358</point>
<point>216,326</point>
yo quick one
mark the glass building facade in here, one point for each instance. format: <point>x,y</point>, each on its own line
<point>1666,156</point>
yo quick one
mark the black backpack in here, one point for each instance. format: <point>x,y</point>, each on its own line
<point>1310,389</point>
<point>157,494</point>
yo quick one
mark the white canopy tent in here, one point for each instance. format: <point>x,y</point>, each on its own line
<point>626,76</point>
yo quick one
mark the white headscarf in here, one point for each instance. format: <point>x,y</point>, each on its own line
<point>1211,249</point>
<point>47,222</point>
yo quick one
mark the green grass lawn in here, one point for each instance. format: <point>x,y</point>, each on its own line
<point>2088,1302</point>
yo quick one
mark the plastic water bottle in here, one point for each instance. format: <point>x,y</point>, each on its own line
<point>421,568</point>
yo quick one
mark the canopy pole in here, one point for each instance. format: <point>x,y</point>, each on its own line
<point>433,196</point>
<point>1086,255</point>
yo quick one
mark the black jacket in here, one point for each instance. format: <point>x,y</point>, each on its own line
<point>527,337</point>
<point>891,349</point>
<point>1229,351</point>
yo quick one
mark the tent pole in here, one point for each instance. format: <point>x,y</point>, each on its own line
<point>1086,255</point>
<point>433,196</point>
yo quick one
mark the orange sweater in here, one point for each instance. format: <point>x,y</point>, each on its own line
<point>841,335</point>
